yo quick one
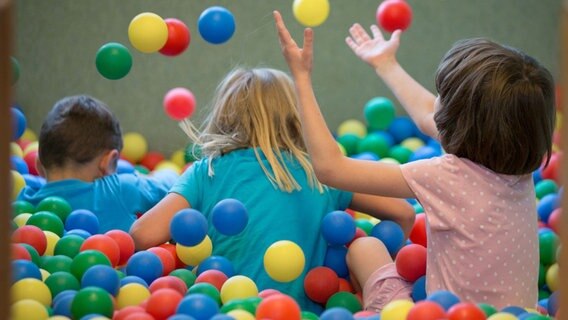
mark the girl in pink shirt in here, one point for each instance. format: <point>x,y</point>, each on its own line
<point>494,116</point>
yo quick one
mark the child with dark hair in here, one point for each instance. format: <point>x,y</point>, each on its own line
<point>494,116</point>
<point>79,147</point>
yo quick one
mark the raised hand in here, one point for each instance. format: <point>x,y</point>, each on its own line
<point>299,59</point>
<point>376,51</point>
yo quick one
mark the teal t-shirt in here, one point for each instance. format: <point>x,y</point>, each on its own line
<point>115,199</point>
<point>273,215</point>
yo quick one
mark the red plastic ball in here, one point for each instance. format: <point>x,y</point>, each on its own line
<point>30,160</point>
<point>168,262</point>
<point>125,244</point>
<point>359,233</point>
<point>554,220</point>
<point>178,38</point>
<point>278,307</point>
<point>212,276</point>
<point>418,233</point>
<point>179,103</point>
<point>321,283</point>
<point>126,311</point>
<point>552,170</point>
<point>345,285</point>
<point>163,303</point>
<point>139,316</point>
<point>151,160</point>
<point>172,250</point>
<point>393,15</point>
<point>267,293</point>
<point>104,244</point>
<point>169,282</point>
<point>426,310</point>
<point>31,235</point>
<point>20,253</point>
<point>466,311</point>
<point>411,262</point>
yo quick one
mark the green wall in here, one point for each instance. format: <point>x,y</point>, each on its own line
<point>56,43</point>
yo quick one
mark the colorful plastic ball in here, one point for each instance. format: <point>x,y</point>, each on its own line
<point>46,221</point>
<point>198,306</point>
<point>22,269</point>
<point>402,128</point>
<point>310,13</point>
<point>19,123</point>
<point>151,159</point>
<point>466,311</point>
<point>551,170</point>
<point>278,307</point>
<point>56,205</point>
<point>169,282</point>
<point>82,219</point>
<point>168,261</point>
<point>321,283</point>
<point>56,263</point>
<point>133,279</point>
<point>424,152</point>
<point>85,260</point>
<point>391,234</point>
<point>343,299</point>
<point>335,260</point>
<point>375,143</point>
<point>179,103</point>
<point>113,61</point>
<point>218,263</point>
<point>554,220</point>
<point>239,314</point>
<point>28,310</point>
<point>418,233</point>
<point>426,310</point>
<point>229,216</point>
<point>178,38</point>
<point>394,15</point>
<point>553,303</point>
<point>21,219</point>
<point>103,277</point>
<point>148,32</point>
<point>92,300</point>
<point>30,158</point>
<point>284,260</point>
<point>213,277</point>
<point>187,276</point>
<point>163,303</point>
<point>19,252</point>
<point>125,312</point>
<point>419,289</point>
<point>411,262</point>
<point>79,232</point>
<point>188,227</point>
<point>349,142</point>
<point>125,244</point>
<point>192,256</point>
<point>31,235</point>
<point>238,287</point>
<point>548,244</point>
<point>207,289</point>
<point>135,147</point>
<point>124,166</point>
<point>379,113</point>
<point>145,265</point>
<point>104,244</point>
<point>546,205</point>
<point>397,309</point>
<point>19,164</point>
<point>400,153</point>
<point>61,281</point>
<point>444,298</point>
<point>18,183</point>
<point>22,206</point>
<point>552,277</point>
<point>31,288</point>
<point>186,317</point>
<point>338,227</point>
<point>36,259</point>
<point>131,294</point>
<point>352,126</point>
<point>216,25</point>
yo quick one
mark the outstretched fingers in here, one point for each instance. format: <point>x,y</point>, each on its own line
<point>283,33</point>
<point>358,34</point>
<point>308,46</point>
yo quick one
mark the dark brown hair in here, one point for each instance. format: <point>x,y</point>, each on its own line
<point>77,130</point>
<point>497,106</point>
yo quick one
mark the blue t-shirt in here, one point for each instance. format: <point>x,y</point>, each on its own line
<point>114,199</point>
<point>274,215</point>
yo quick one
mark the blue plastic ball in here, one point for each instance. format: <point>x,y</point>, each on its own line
<point>220,316</point>
<point>102,276</point>
<point>198,305</point>
<point>24,269</point>
<point>82,219</point>
<point>444,298</point>
<point>79,232</point>
<point>188,227</point>
<point>62,304</point>
<point>146,265</point>
<point>419,289</point>
<point>514,310</point>
<point>124,166</point>
<point>216,25</point>
<point>186,317</point>
<point>229,216</point>
<point>369,156</point>
<point>391,234</point>
<point>19,165</point>
<point>424,152</point>
<point>336,313</point>
<point>217,263</point>
<point>62,294</point>
<point>34,182</point>
<point>402,128</point>
<point>19,123</point>
<point>553,303</point>
<point>133,279</point>
<point>537,175</point>
<point>338,228</point>
<point>546,205</point>
<point>335,260</point>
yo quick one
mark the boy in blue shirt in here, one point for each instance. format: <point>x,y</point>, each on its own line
<point>79,147</point>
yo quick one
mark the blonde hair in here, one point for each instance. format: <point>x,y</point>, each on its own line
<point>256,108</point>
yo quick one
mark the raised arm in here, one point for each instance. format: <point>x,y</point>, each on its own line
<point>331,167</point>
<point>380,54</point>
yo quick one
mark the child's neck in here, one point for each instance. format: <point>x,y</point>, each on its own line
<point>87,173</point>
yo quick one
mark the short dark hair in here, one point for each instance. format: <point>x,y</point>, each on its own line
<point>77,130</point>
<point>497,106</point>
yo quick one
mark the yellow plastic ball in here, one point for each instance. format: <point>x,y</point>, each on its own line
<point>502,316</point>
<point>58,318</point>
<point>342,149</point>
<point>178,157</point>
<point>44,274</point>
<point>284,261</point>
<point>18,183</point>
<point>238,287</point>
<point>361,215</point>
<point>352,126</point>
<point>389,160</point>
<point>192,256</point>
<point>32,146</point>
<point>28,310</point>
<point>239,314</point>
<point>397,309</point>
<point>29,135</point>
<point>552,277</point>
<point>52,239</point>
<point>412,143</point>
<point>131,294</point>
<point>31,288</point>
<point>311,13</point>
<point>135,147</point>
<point>16,150</point>
<point>148,32</point>
<point>21,219</point>
<point>166,164</point>
<point>558,125</point>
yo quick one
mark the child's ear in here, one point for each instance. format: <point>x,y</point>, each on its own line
<point>39,167</point>
<point>108,162</point>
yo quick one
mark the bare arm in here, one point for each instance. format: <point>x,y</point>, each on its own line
<point>331,167</point>
<point>383,208</point>
<point>381,55</point>
<point>153,227</point>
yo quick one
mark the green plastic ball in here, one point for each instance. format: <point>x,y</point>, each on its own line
<point>543,294</point>
<point>113,61</point>
<point>379,113</point>
<point>307,315</point>
<point>47,221</point>
<point>56,263</point>
<point>187,276</point>
<point>92,300</point>
<point>56,205</point>
<point>192,152</point>
<point>487,309</point>
<point>61,281</point>
<point>548,243</point>
<point>365,225</point>
<point>400,153</point>
<point>344,299</point>
<point>374,143</point>
<point>69,245</point>
<point>207,289</point>
<point>86,259</point>
<point>350,142</point>
<point>141,169</point>
<point>545,187</point>
<point>22,206</point>
<point>238,304</point>
<point>36,259</point>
